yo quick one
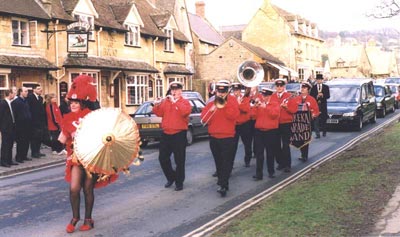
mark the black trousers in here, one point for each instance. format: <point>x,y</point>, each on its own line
<point>36,140</point>
<point>223,151</point>
<point>22,138</point>
<point>284,156</point>
<point>55,144</point>
<point>304,151</point>
<point>320,124</point>
<point>244,132</point>
<point>173,144</point>
<point>7,142</point>
<point>266,141</point>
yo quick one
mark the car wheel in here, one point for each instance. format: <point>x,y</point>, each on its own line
<point>189,137</point>
<point>373,119</point>
<point>144,143</point>
<point>359,124</point>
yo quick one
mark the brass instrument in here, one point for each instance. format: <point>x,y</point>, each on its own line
<point>160,100</point>
<point>250,73</point>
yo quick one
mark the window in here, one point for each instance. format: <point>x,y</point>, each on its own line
<point>151,89</point>
<point>180,79</point>
<point>136,89</point>
<point>88,20</point>
<point>132,37</point>
<point>3,85</point>
<point>301,73</point>
<point>169,41</point>
<point>20,32</point>
<point>159,88</point>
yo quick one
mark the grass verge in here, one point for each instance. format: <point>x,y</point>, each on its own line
<point>344,197</point>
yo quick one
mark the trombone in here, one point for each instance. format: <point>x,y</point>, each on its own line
<point>249,73</point>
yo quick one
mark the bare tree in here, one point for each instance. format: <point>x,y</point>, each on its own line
<point>386,9</point>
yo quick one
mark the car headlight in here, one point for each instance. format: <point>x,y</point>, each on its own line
<point>350,114</point>
<point>379,104</point>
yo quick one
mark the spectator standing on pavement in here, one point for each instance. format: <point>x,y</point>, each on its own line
<point>7,129</point>
<point>287,109</point>
<point>305,102</point>
<point>175,111</point>
<point>23,120</point>
<point>54,119</point>
<point>220,116</point>
<point>35,102</point>
<point>81,94</point>
<point>64,107</point>
<point>321,93</point>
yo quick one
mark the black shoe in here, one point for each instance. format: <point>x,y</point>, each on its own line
<point>41,154</point>
<point>271,176</point>
<point>178,187</point>
<point>247,165</point>
<point>13,163</point>
<point>27,159</point>
<point>5,165</point>
<point>287,170</point>
<point>222,191</point>
<point>215,174</point>
<point>280,167</point>
<point>20,161</point>
<point>324,134</point>
<point>35,156</point>
<point>257,178</point>
<point>169,184</point>
<point>304,159</point>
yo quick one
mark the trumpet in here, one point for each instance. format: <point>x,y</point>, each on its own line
<point>160,100</point>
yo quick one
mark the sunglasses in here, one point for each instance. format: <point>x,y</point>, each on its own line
<point>304,86</point>
<point>279,85</point>
<point>222,90</point>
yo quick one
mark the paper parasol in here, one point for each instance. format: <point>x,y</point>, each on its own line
<point>107,141</point>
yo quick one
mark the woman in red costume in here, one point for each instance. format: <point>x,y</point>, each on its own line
<point>81,96</point>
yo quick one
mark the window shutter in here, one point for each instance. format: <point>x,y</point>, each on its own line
<point>33,35</point>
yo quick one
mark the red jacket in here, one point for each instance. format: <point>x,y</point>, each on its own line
<point>68,127</point>
<point>175,116</point>
<point>244,109</point>
<point>222,122</point>
<point>310,102</point>
<point>267,118</point>
<point>286,115</point>
<point>52,123</point>
<point>253,109</point>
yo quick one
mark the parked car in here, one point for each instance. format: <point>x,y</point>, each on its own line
<point>149,124</point>
<point>392,80</point>
<point>352,102</point>
<point>385,100</point>
<point>293,88</point>
<point>394,88</point>
<point>192,94</point>
<point>268,84</point>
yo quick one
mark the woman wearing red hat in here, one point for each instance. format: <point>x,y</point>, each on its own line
<point>82,96</point>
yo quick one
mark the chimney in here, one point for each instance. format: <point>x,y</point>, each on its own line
<point>47,6</point>
<point>200,6</point>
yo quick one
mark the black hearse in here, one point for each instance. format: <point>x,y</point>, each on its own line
<point>352,103</point>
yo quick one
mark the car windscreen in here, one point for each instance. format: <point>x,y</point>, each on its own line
<point>393,80</point>
<point>145,108</point>
<point>269,85</point>
<point>344,94</point>
<point>379,91</point>
<point>293,87</point>
<point>393,89</point>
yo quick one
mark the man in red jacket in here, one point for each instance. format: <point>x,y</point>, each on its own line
<point>175,111</point>
<point>220,116</point>
<point>288,108</point>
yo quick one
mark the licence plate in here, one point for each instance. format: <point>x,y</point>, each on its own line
<point>332,121</point>
<point>150,125</point>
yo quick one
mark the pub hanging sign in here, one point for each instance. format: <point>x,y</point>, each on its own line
<point>77,41</point>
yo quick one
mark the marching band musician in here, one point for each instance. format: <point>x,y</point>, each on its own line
<point>175,111</point>
<point>287,109</point>
<point>266,133</point>
<point>254,95</point>
<point>306,102</point>
<point>321,93</point>
<point>221,121</point>
<point>243,126</point>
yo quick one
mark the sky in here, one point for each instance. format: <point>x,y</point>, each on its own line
<point>329,15</point>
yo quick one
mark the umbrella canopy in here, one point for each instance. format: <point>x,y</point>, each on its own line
<point>107,141</point>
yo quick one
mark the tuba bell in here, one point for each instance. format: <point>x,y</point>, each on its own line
<point>250,73</point>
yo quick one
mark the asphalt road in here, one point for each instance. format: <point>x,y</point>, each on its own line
<point>37,203</point>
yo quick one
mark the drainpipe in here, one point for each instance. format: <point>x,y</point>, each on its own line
<point>57,22</point>
<point>154,61</point>
<point>99,54</point>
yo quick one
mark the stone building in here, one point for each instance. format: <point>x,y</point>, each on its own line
<point>134,48</point>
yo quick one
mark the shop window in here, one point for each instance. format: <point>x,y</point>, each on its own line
<point>94,75</point>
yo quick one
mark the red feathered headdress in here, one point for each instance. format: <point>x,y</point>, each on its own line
<point>82,89</point>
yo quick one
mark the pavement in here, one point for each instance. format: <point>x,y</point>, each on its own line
<point>388,224</point>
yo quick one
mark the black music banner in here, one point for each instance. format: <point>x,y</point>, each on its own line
<point>301,129</point>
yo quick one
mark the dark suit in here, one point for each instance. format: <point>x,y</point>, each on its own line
<point>23,125</point>
<point>38,114</point>
<point>7,128</point>
<point>320,122</point>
